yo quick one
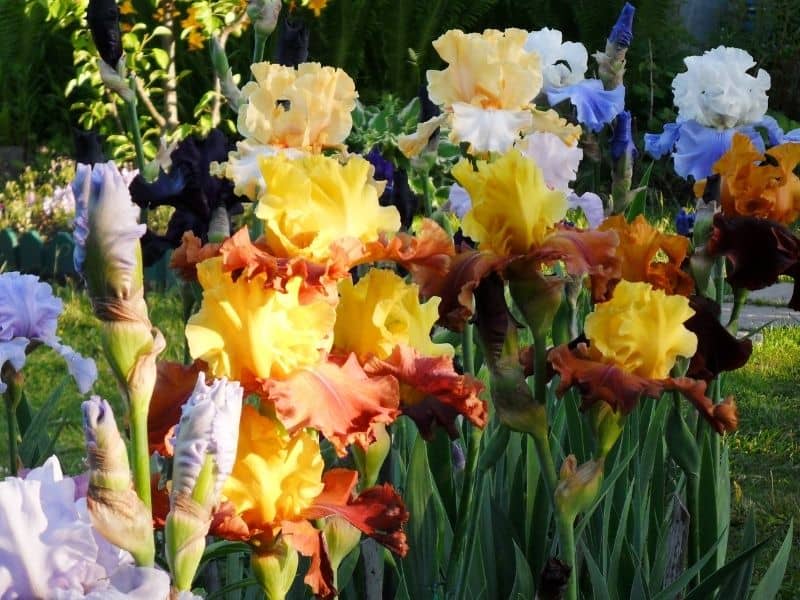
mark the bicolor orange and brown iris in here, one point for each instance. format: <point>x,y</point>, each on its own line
<point>639,245</point>
<point>756,184</point>
<point>515,218</point>
<point>278,487</point>
<point>634,340</point>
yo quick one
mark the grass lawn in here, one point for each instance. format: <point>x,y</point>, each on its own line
<point>765,457</point>
<point>765,452</point>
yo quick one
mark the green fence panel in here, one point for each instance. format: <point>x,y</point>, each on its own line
<point>57,257</point>
<point>30,252</point>
<point>8,250</point>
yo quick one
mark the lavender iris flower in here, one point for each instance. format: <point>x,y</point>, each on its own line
<point>49,549</point>
<point>29,313</point>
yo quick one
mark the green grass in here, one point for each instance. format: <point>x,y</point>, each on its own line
<point>765,452</point>
<point>45,370</point>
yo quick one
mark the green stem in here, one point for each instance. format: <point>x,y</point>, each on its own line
<point>566,537</point>
<point>259,43</point>
<point>541,434</point>
<point>134,122</point>
<point>427,196</point>
<point>12,396</point>
<point>140,451</point>
<point>454,580</point>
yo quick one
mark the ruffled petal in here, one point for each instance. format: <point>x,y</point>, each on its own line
<point>717,349</point>
<point>590,204</point>
<point>82,369</point>
<point>339,400</point>
<point>455,287</point>
<point>189,254</point>
<point>378,512</point>
<point>596,106</point>
<point>13,352</point>
<point>602,382</point>
<point>310,542</point>
<point>661,144</point>
<point>759,250</point>
<point>592,253</point>
<point>431,391</point>
<point>488,130</point>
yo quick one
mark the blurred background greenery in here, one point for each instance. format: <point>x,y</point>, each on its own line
<point>49,80</point>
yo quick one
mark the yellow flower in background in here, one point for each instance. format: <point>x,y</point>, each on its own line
<point>512,210</point>
<point>316,200</point>
<point>276,475</point>
<point>641,330</point>
<point>316,5</point>
<point>382,311</point>
<point>489,70</point>
<point>244,327</point>
<point>307,108</point>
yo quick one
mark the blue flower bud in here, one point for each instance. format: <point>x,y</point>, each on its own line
<point>622,32</point>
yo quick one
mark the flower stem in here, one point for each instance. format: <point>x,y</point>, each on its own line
<point>540,434</point>
<point>566,537</point>
<point>12,396</point>
<point>455,571</point>
<point>135,131</point>
<point>259,42</point>
<point>140,451</point>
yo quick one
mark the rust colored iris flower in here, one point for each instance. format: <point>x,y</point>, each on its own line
<point>756,184</point>
<point>639,243</point>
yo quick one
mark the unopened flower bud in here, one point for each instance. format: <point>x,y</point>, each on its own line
<point>275,568</point>
<point>108,254</point>
<point>205,451</point>
<point>611,63</point>
<point>114,508</point>
<point>538,296</point>
<point>102,17</point>
<point>607,425</point>
<point>578,487</point>
<point>264,15</point>
<point>370,461</point>
<point>341,538</point>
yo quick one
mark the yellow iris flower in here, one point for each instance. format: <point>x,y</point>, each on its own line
<point>244,327</point>
<point>316,200</point>
<point>382,311</point>
<point>307,108</point>
<point>513,210</point>
<point>276,475</point>
<point>641,330</point>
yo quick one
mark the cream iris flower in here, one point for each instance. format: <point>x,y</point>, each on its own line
<point>294,110</point>
<point>486,88</point>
